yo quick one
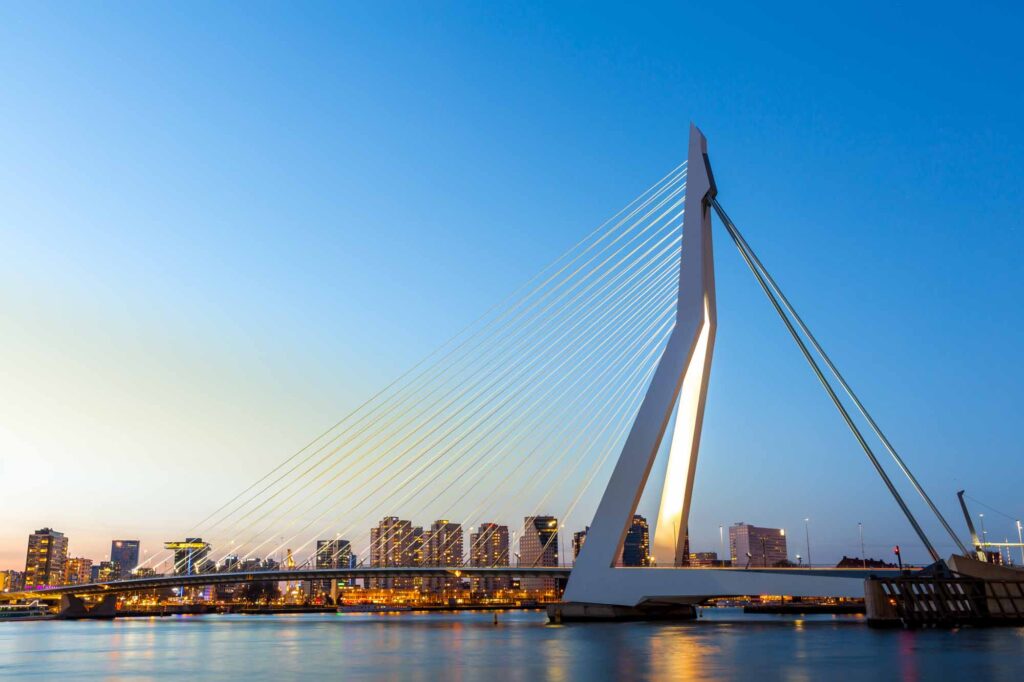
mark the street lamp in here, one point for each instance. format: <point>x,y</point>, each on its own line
<point>863,557</point>
<point>807,535</point>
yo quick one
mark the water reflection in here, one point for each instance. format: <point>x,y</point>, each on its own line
<point>521,646</point>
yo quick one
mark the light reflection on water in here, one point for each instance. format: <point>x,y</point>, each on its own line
<point>725,644</point>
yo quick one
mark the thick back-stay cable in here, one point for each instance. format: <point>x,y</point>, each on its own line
<point>846,387</point>
<point>761,280</point>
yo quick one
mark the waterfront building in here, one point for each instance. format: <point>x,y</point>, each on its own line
<point>44,562</point>
<point>12,581</point>
<point>191,556</point>
<point>443,546</point>
<point>335,553</point>
<point>77,571</point>
<point>578,538</point>
<point>395,542</point>
<point>489,548</point>
<point>125,553</point>
<point>106,571</point>
<point>636,550</point>
<point>704,560</point>
<point>762,547</point>
<point>230,563</point>
<point>538,546</point>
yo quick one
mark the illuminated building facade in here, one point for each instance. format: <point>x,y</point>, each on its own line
<point>488,547</point>
<point>335,553</point>
<point>44,562</point>
<point>395,542</point>
<point>539,547</point>
<point>125,553</point>
<point>191,556</point>
<point>704,559</point>
<point>636,550</point>
<point>443,546</point>
<point>763,547</point>
<point>77,571</point>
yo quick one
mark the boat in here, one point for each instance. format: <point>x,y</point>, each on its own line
<point>372,608</point>
<point>31,611</point>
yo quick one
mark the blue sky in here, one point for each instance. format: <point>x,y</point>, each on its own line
<point>221,229</point>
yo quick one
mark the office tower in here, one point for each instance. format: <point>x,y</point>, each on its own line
<point>539,547</point>
<point>77,571</point>
<point>47,554</point>
<point>191,556</point>
<point>230,563</point>
<point>332,554</point>
<point>488,548</point>
<point>578,538</point>
<point>762,547</point>
<point>636,550</point>
<point>125,553</point>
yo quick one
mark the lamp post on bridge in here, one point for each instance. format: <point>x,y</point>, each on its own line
<point>863,556</point>
<point>807,535</point>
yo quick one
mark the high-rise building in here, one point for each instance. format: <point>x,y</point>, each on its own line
<point>191,556</point>
<point>77,571</point>
<point>488,548</point>
<point>125,553</point>
<point>578,538</point>
<point>47,554</point>
<point>335,553</point>
<point>443,546</point>
<point>762,547</point>
<point>636,550</point>
<point>538,546</point>
<point>395,542</point>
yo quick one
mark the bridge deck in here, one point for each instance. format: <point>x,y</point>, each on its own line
<point>205,579</point>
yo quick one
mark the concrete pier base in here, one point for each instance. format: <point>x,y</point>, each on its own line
<point>74,608</point>
<point>571,612</point>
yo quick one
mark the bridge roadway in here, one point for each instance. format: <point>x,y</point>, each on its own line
<point>283,575</point>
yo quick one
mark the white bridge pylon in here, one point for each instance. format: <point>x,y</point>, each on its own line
<point>679,384</point>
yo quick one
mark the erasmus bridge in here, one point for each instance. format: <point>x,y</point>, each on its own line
<point>582,376</point>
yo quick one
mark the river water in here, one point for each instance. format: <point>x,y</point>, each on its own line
<point>723,645</point>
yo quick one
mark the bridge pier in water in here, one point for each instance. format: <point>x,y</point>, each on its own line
<point>579,612</point>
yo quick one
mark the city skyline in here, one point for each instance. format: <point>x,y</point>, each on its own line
<point>115,369</point>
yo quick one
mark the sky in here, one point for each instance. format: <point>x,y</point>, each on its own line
<point>222,229</point>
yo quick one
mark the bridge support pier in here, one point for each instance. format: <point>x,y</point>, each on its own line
<point>581,612</point>
<point>74,608</point>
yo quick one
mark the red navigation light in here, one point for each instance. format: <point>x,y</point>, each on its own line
<point>896,549</point>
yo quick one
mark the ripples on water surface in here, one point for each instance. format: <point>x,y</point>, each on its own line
<point>468,646</point>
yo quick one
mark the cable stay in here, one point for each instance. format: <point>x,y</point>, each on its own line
<point>782,305</point>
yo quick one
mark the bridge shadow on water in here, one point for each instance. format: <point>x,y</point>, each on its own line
<point>725,644</point>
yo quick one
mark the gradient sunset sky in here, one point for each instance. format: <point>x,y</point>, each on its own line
<point>222,228</point>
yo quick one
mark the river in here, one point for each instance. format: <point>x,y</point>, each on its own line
<point>724,644</point>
